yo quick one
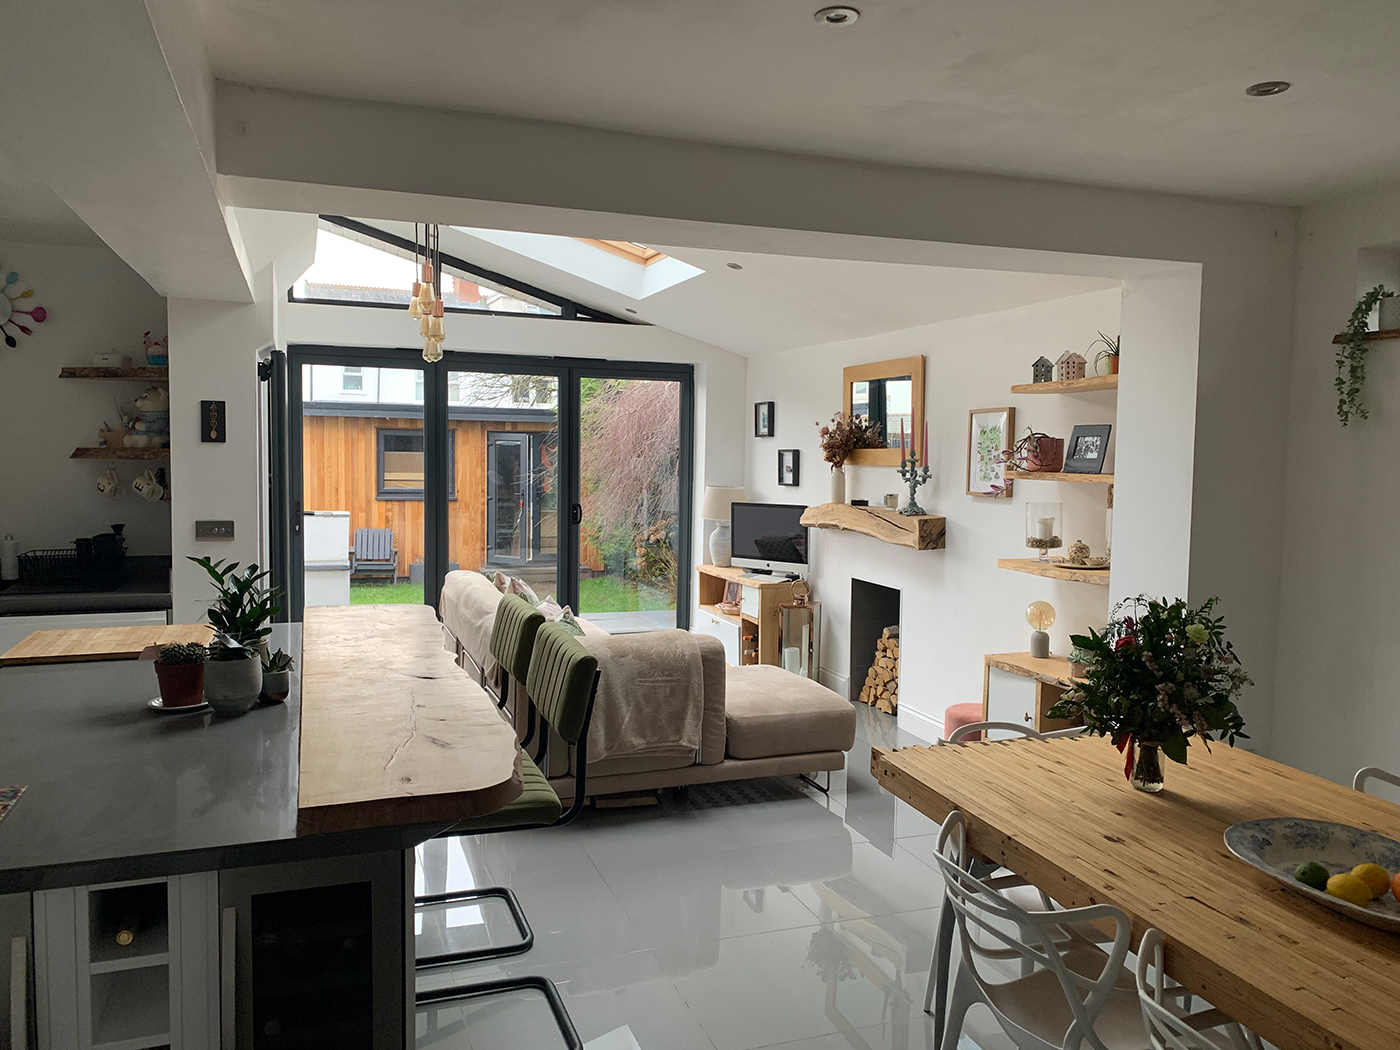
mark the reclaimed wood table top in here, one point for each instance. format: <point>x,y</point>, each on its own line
<point>1060,813</point>
<point>393,732</point>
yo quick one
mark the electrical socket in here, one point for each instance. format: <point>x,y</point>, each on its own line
<point>213,530</point>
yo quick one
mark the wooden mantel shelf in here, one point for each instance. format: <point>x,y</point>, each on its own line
<point>1055,570</point>
<point>1068,386</point>
<point>1033,475</point>
<point>1387,333</point>
<point>920,532</point>
<point>120,452</point>
<point>139,373</point>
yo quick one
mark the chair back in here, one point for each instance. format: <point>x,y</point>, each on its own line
<point>513,634</point>
<point>562,681</point>
<point>1039,939</point>
<point>1167,1029</point>
<point>1011,727</point>
<point>1373,773</point>
<point>374,544</point>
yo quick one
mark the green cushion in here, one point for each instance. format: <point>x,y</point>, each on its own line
<point>513,634</point>
<point>537,805</point>
<point>560,681</point>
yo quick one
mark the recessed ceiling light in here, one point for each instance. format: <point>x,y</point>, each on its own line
<point>837,16</point>
<point>629,309</point>
<point>1267,87</point>
<point>734,266</point>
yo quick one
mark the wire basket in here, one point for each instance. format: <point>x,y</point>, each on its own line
<point>62,565</point>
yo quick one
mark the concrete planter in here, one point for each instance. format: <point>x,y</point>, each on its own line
<point>276,685</point>
<point>232,686</point>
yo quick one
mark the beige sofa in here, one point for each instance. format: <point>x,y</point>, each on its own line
<point>755,721</point>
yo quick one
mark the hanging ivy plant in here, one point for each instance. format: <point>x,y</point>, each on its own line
<point>1351,357</point>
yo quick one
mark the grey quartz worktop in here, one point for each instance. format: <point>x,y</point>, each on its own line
<point>115,791</point>
<point>146,588</point>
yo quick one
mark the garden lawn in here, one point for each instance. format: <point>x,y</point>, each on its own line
<point>609,594</point>
<point>386,593</point>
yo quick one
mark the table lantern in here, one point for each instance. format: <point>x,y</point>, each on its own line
<point>800,632</point>
<point>1044,527</point>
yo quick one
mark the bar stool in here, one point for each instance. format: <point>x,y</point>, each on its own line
<point>959,715</point>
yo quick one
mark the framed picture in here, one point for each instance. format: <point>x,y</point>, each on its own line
<point>989,433</point>
<point>789,460</point>
<point>1087,447</point>
<point>763,419</point>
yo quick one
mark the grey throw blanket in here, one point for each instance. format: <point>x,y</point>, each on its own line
<point>651,695</point>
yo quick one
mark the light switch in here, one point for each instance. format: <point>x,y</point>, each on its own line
<point>213,530</point>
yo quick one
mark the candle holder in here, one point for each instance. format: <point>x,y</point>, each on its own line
<point>1043,527</point>
<point>914,476</point>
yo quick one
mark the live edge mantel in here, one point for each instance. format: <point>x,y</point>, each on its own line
<point>922,532</point>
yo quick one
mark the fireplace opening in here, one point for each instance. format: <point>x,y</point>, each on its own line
<point>874,677</point>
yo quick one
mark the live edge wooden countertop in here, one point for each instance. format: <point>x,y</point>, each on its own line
<point>1059,813</point>
<point>393,732</point>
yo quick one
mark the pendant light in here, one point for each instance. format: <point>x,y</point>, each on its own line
<point>425,305</point>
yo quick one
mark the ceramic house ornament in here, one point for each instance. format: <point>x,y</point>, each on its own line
<point>1070,366</point>
<point>1042,371</point>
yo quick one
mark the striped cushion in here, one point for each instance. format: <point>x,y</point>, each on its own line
<point>513,635</point>
<point>560,681</point>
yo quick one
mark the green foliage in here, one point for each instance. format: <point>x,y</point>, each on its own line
<point>1110,347</point>
<point>278,661</point>
<point>245,605</point>
<point>387,593</point>
<point>183,653</point>
<point>1162,676</point>
<point>1351,358</point>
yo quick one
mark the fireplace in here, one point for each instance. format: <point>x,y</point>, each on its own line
<point>874,672</point>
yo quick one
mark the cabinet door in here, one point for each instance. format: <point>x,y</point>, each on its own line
<point>318,953</point>
<point>726,632</point>
<point>1010,698</point>
<point>16,953</point>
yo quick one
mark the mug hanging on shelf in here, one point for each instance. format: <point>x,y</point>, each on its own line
<point>110,485</point>
<point>148,488</point>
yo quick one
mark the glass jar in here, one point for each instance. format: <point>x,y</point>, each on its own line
<point>1044,527</point>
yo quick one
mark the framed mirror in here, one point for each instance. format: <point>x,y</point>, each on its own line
<point>890,393</point>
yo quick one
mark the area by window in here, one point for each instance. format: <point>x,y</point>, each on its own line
<point>352,380</point>
<point>399,464</point>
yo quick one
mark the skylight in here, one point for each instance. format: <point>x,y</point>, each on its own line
<point>629,250</point>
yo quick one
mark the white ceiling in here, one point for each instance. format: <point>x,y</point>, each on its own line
<point>1113,92</point>
<point>32,213</point>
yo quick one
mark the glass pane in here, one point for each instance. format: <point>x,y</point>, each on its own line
<point>899,409</point>
<point>362,484</point>
<point>505,431</point>
<point>629,457</point>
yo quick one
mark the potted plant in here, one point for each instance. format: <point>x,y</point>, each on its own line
<point>232,677</point>
<point>276,676</point>
<point>1351,353</point>
<point>180,671</point>
<point>1079,661</point>
<point>839,438</point>
<point>242,616</point>
<point>1108,356</point>
<point>1159,674</point>
<point>1035,453</point>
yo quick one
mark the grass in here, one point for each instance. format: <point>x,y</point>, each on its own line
<point>595,595</point>
<point>386,593</point>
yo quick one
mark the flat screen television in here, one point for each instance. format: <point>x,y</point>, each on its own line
<point>769,537</point>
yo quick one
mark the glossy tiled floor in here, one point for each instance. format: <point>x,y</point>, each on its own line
<point>758,914</point>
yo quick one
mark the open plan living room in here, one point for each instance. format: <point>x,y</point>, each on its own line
<point>719,526</point>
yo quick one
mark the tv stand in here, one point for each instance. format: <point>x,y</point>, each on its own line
<point>758,624</point>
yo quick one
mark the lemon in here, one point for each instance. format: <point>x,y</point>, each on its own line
<point>1313,874</point>
<point>1350,888</point>
<point>1373,875</point>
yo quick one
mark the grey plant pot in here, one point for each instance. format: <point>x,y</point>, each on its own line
<point>276,685</point>
<point>232,686</point>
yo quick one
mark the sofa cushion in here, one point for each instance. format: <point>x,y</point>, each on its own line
<point>769,711</point>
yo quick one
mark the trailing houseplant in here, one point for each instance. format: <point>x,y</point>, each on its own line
<point>1160,674</point>
<point>1351,357</point>
<point>180,671</point>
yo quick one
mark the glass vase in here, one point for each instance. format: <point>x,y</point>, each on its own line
<point>1147,768</point>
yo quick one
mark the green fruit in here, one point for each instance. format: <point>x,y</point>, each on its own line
<point>1313,874</point>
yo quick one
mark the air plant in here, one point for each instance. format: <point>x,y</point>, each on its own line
<point>1110,348</point>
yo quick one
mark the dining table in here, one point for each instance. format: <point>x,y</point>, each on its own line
<point>1061,814</point>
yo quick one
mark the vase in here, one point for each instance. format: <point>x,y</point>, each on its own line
<point>838,484</point>
<point>1147,768</point>
<point>232,686</point>
<point>181,685</point>
<point>721,545</point>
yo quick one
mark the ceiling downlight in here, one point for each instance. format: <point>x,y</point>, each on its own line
<point>837,16</point>
<point>1265,88</point>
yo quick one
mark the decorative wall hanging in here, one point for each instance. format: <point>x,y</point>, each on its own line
<point>9,312</point>
<point>425,305</point>
<point>989,439</point>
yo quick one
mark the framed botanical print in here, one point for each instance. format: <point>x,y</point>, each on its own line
<point>789,460</point>
<point>763,419</point>
<point>989,436</point>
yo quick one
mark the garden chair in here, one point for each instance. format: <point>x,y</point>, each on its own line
<point>374,554</point>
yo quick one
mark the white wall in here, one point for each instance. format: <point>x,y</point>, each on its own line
<point>95,303</point>
<point>956,604</point>
<point>1338,659</point>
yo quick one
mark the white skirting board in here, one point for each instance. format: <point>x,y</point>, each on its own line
<point>921,725</point>
<point>837,683</point>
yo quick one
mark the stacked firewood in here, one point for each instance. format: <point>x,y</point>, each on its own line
<point>881,689</point>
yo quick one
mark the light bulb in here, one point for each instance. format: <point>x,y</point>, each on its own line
<point>435,328</point>
<point>432,350</point>
<point>1040,615</point>
<point>413,308</point>
<point>425,326</point>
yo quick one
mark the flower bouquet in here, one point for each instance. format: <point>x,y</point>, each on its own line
<point>844,434</point>
<point>1159,674</point>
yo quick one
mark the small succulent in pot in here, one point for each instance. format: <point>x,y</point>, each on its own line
<point>277,676</point>
<point>180,671</point>
<point>1079,661</point>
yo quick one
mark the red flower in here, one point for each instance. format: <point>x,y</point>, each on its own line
<point>1123,643</point>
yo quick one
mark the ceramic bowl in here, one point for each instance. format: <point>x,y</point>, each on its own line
<point>1278,845</point>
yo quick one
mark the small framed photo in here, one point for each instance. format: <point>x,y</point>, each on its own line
<point>763,419</point>
<point>789,462</point>
<point>1087,447</point>
<point>989,434</point>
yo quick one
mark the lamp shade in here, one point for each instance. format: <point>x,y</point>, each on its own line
<point>715,505</point>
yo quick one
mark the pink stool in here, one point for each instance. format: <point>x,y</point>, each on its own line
<point>960,715</point>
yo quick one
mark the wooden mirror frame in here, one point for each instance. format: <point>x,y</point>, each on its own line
<point>900,366</point>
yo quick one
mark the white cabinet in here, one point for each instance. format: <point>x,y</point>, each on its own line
<point>15,629</point>
<point>1010,698</point>
<point>727,631</point>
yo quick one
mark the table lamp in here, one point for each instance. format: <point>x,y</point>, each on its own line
<point>1040,615</point>
<point>715,507</point>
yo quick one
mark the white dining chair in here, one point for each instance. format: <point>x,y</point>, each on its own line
<point>1169,1026</point>
<point>1013,886</point>
<point>1373,773</point>
<point>1076,995</point>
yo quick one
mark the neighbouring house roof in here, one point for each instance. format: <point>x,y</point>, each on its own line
<point>384,410</point>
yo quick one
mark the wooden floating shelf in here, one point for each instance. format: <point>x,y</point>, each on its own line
<point>920,532</point>
<point>720,614</point>
<point>137,372</point>
<point>1069,386</point>
<point>1387,333</point>
<point>1055,570</point>
<point>112,452</point>
<point>1031,475</point>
